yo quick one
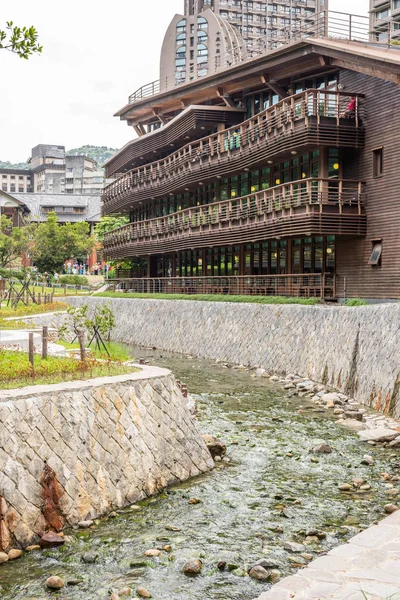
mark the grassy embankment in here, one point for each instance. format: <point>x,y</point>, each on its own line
<point>25,311</point>
<point>214,298</point>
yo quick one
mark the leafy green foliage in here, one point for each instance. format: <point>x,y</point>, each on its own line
<point>79,320</point>
<point>215,298</point>
<point>6,164</point>
<point>355,302</point>
<point>14,241</point>
<point>74,280</point>
<point>107,224</point>
<point>22,41</point>
<point>99,153</point>
<point>103,320</point>
<point>55,243</point>
<point>12,274</point>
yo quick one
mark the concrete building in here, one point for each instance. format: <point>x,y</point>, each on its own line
<point>196,45</point>
<point>54,172</point>
<point>16,180</point>
<point>385,20</point>
<point>256,19</point>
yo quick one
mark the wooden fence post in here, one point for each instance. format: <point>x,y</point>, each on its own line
<point>31,354</point>
<point>45,338</point>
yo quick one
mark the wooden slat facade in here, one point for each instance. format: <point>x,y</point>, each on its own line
<point>382,129</point>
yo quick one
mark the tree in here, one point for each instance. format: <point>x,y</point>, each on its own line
<point>22,41</point>
<point>14,242</point>
<point>53,243</point>
<point>108,224</point>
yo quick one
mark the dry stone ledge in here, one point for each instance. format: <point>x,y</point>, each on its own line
<point>351,349</point>
<point>75,451</point>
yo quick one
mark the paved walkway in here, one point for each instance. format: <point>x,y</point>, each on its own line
<point>366,568</point>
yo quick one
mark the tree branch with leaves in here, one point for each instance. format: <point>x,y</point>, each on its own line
<point>22,41</point>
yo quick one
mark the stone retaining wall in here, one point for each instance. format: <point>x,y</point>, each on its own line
<point>355,350</point>
<point>74,451</point>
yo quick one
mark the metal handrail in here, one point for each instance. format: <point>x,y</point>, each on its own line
<point>310,103</point>
<point>320,285</point>
<point>284,198</point>
<point>326,23</point>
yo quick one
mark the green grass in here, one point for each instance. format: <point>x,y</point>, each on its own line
<point>118,352</point>
<point>16,371</point>
<point>214,298</point>
<point>355,302</point>
<point>31,309</point>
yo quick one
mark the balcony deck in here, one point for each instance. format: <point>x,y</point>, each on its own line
<point>296,124</point>
<point>304,207</point>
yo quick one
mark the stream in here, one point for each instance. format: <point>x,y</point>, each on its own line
<point>269,490</point>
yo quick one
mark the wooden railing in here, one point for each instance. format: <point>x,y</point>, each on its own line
<point>265,131</point>
<point>303,285</point>
<point>283,201</point>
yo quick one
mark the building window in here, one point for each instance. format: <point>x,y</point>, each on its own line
<point>12,188</point>
<point>5,187</point>
<point>377,162</point>
<point>376,254</point>
<point>181,26</point>
<point>202,22</point>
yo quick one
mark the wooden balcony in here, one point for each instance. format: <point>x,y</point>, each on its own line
<point>193,122</point>
<point>297,124</point>
<point>302,285</point>
<point>304,207</point>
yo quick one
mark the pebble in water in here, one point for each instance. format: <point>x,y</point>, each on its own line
<point>193,568</point>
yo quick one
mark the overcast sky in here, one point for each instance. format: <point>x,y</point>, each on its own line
<point>94,55</point>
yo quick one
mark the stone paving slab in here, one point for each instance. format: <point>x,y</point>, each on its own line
<point>366,568</point>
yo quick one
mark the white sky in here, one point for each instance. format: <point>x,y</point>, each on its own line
<point>95,54</point>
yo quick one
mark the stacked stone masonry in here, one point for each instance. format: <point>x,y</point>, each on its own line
<point>355,350</point>
<point>97,445</point>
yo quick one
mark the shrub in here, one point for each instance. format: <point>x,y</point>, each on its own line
<point>12,273</point>
<point>355,302</point>
<point>74,280</point>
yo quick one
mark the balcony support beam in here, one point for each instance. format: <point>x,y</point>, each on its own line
<point>275,87</point>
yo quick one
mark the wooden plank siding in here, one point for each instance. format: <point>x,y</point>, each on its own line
<point>382,128</point>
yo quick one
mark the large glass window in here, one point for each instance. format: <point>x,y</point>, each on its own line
<point>181,26</point>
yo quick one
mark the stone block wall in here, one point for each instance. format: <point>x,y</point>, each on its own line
<point>74,451</point>
<point>355,350</point>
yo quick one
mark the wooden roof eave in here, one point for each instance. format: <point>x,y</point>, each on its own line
<point>272,62</point>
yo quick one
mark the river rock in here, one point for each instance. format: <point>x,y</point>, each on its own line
<point>3,557</point>
<point>153,552</point>
<point>330,397</point>
<point>379,434</point>
<point>89,558</point>
<point>14,554</point>
<point>322,449</point>
<point>352,424</point>
<point>51,540</point>
<point>193,568</point>
<point>367,460</point>
<point>259,573</point>
<point>274,576</point>
<point>85,524</point>
<point>143,593</point>
<point>293,547</point>
<point>267,563</point>
<point>114,596</point>
<point>54,583</point>
<point>395,443</point>
<point>215,446</point>
<point>390,508</point>
<point>31,548</point>
<point>126,591</point>
<point>345,487</point>
<point>194,501</point>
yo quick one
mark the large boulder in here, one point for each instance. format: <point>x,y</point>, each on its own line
<point>380,434</point>
<point>214,445</point>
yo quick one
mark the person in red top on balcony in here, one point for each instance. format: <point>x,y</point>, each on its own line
<point>350,111</point>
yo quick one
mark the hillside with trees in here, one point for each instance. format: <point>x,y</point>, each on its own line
<point>98,153</point>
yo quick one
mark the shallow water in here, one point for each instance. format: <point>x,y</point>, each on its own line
<point>269,492</point>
